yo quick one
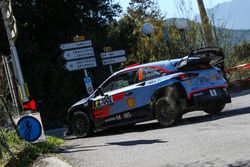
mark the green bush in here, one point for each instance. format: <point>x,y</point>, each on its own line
<point>25,153</point>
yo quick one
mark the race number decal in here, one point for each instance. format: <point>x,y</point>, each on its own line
<point>106,100</point>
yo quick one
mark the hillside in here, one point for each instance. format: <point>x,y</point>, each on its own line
<point>237,36</point>
<point>233,14</point>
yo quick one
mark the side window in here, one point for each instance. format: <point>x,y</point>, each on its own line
<point>119,81</point>
<point>148,73</point>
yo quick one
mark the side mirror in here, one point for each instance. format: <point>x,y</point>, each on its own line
<point>100,91</point>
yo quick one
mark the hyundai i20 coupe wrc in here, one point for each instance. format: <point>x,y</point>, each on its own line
<point>163,90</point>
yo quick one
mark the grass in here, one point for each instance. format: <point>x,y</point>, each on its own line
<point>26,153</point>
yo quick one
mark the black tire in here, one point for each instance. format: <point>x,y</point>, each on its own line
<point>80,124</point>
<point>214,108</point>
<point>169,108</point>
<point>164,113</point>
<point>179,117</point>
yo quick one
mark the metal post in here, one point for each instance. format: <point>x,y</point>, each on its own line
<point>111,69</point>
<point>14,55</point>
<point>11,84</point>
<point>85,73</point>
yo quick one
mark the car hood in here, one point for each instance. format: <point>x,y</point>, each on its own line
<point>81,102</point>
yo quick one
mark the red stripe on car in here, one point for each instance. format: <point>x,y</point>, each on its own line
<point>118,96</point>
<point>104,112</point>
<point>162,69</point>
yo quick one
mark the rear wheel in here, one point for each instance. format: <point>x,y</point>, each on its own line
<point>80,124</point>
<point>214,108</point>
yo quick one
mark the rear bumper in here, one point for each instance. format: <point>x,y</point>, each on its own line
<point>211,95</point>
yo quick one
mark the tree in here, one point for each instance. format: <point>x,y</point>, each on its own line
<point>139,47</point>
<point>43,25</point>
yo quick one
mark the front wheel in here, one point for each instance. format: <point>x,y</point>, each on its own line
<point>214,108</point>
<point>164,113</point>
<point>80,124</point>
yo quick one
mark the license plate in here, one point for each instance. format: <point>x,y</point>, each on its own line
<point>213,92</point>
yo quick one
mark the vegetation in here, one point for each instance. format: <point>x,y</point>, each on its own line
<point>25,153</point>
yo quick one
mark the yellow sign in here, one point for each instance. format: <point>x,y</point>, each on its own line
<point>131,102</point>
<point>107,49</point>
<point>78,38</point>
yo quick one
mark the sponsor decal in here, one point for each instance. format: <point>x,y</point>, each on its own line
<point>118,96</point>
<point>130,102</point>
<point>106,100</point>
<point>104,112</point>
<point>119,117</point>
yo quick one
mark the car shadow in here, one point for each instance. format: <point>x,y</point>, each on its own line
<point>240,93</point>
<point>137,142</point>
<point>208,118</point>
<point>80,148</point>
<point>77,148</point>
<point>155,125</point>
<point>185,121</point>
<point>240,163</point>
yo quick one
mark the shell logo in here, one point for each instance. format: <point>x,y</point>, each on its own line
<point>130,102</point>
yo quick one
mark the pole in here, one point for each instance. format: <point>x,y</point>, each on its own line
<point>207,30</point>
<point>14,55</point>
<point>11,84</point>
<point>85,73</point>
<point>111,69</point>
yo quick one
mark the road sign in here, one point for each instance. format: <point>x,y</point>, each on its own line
<point>78,38</point>
<point>88,84</point>
<point>112,54</point>
<point>30,127</point>
<point>74,45</point>
<point>78,53</point>
<point>80,64</point>
<point>114,60</point>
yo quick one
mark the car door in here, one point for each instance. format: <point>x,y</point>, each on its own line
<point>117,100</point>
<point>148,80</point>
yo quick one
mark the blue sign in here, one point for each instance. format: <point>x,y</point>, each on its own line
<point>87,80</point>
<point>29,128</point>
<point>88,84</point>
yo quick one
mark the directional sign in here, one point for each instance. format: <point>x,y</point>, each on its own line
<point>80,64</point>
<point>88,84</point>
<point>114,60</point>
<point>75,45</point>
<point>112,54</point>
<point>78,53</point>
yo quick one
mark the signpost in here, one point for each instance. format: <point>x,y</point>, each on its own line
<point>114,60</point>
<point>110,57</point>
<point>79,55</point>
<point>75,45</point>
<point>112,54</point>
<point>88,84</point>
<point>80,64</point>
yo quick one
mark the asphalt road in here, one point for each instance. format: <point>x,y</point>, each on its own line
<point>199,140</point>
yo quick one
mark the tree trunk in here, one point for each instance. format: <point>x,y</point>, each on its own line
<point>207,30</point>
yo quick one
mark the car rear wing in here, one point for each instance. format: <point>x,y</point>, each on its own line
<point>210,55</point>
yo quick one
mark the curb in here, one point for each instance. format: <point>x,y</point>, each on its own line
<point>50,161</point>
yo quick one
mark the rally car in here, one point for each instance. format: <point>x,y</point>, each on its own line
<point>163,90</point>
